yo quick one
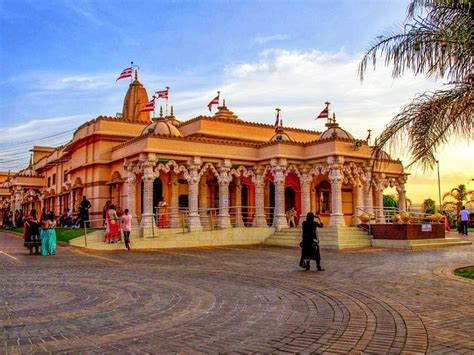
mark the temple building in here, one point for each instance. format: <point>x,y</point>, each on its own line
<point>236,172</point>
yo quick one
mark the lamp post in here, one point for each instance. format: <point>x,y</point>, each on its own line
<point>439,185</point>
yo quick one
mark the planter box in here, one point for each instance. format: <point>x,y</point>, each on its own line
<point>408,231</point>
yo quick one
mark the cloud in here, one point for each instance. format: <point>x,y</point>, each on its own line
<point>265,39</point>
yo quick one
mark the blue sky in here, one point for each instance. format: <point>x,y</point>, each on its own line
<point>60,59</point>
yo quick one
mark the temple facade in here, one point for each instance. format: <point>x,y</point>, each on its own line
<point>239,172</point>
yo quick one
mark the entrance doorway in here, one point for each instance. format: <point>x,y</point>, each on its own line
<point>290,198</point>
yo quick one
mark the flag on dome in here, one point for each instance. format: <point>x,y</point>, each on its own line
<point>214,101</point>
<point>150,106</point>
<point>162,94</point>
<point>126,73</point>
<point>324,113</point>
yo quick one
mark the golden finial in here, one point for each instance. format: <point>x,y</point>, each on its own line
<point>334,117</point>
<point>172,111</point>
<point>136,74</point>
<point>161,111</point>
<point>223,102</point>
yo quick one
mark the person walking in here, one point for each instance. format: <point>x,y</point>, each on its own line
<point>126,225</point>
<point>31,233</point>
<point>86,205</point>
<point>113,234</point>
<point>464,216</point>
<point>310,242</point>
<point>48,237</point>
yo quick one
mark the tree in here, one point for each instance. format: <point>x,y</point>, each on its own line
<point>428,206</point>
<point>390,201</point>
<point>458,197</point>
<point>437,40</point>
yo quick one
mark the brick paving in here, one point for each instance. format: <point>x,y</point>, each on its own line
<point>234,299</point>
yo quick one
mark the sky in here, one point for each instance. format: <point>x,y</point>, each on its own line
<point>60,59</point>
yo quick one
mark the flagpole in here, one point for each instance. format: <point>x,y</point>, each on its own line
<point>327,103</point>
<point>131,67</point>
<point>167,94</point>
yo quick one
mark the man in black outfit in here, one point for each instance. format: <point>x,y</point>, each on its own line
<point>85,204</point>
<point>310,243</point>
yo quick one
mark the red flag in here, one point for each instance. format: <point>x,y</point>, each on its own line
<point>215,101</point>
<point>126,73</point>
<point>150,106</point>
<point>162,94</point>
<point>324,113</point>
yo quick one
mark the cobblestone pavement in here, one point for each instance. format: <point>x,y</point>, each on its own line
<point>234,299</point>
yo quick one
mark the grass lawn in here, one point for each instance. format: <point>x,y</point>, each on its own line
<point>467,272</point>
<point>63,234</point>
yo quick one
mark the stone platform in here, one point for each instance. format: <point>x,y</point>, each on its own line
<point>234,300</point>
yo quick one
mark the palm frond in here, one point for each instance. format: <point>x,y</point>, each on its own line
<point>429,121</point>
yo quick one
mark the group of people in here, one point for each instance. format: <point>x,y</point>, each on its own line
<point>39,235</point>
<point>115,225</point>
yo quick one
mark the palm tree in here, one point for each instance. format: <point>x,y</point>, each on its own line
<point>437,39</point>
<point>428,206</point>
<point>459,197</point>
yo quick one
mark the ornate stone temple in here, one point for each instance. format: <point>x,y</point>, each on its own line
<point>249,173</point>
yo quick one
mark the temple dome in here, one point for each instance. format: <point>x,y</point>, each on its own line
<point>162,126</point>
<point>333,130</point>
<point>224,113</point>
<point>135,99</point>
<point>281,135</point>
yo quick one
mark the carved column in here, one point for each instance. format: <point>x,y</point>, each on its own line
<point>305,182</point>
<point>258,179</point>
<point>203,190</point>
<point>358,193</point>
<point>402,202</point>
<point>224,179</point>
<point>148,179</point>
<point>194,220</point>
<point>279,217</point>
<point>336,178</point>
<point>131,189</point>
<point>239,221</point>
<point>379,182</point>
<point>367,185</point>
<point>175,221</point>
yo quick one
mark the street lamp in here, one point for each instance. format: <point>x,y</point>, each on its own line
<point>439,186</point>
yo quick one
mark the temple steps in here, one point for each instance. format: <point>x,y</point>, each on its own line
<point>332,237</point>
<point>420,244</point>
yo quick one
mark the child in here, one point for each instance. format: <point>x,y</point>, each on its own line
<point>126,224</point>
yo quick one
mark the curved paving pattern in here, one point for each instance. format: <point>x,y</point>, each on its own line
<point>242,299</point>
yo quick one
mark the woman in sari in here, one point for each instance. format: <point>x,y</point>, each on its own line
<point>113,235</point>
<point>48,237</point>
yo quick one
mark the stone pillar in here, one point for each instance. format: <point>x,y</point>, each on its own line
<point>279,217</point>
<point>239,221</point>
<point>358,194</point>
<point>224,179</point>
<point>305,182</point>
<point>258,179</point>
<point>175,221</point>
<point>194,220</point>
<point>402,202</point>
<point>335,178</point>
<point>203,192</point>
<point>379,181</point>
<point>131,189</point>
<point>367,185</point>
<point>148,179</point>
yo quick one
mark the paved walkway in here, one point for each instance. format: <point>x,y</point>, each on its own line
<point>236,299</point>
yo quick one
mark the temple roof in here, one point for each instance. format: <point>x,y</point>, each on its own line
<point>333,130</point>
<point>224,113</point>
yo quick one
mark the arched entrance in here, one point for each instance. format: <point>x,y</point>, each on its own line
<point>323,198</point>
<point>157,193</point>
<point>290,198</point>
